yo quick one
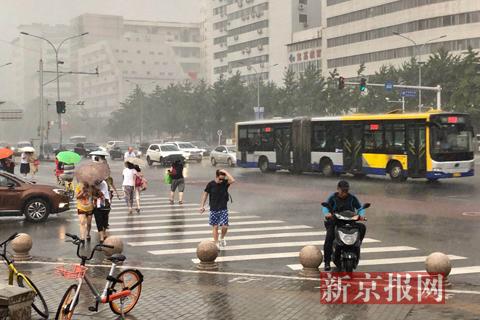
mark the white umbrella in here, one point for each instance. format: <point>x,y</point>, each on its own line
<point>27,149</point>
<point>136,161</point>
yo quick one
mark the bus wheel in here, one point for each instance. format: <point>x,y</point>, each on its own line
<point>395,171</point>
<point>326,166</point>
<point>263,165</point>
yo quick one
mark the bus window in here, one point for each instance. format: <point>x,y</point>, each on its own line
<point>319,141</point>
<point>255,139</point>
<point>395,138</point>
<point>373,137</point>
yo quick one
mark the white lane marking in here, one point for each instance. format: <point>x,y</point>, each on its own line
<point>149,206</point>
<point>246,237</point>
<point>177,219</point>
<point>374,262</point>
<point>277,255</point>
<point>173,210</point>
<point>461,270</point>
<point>254,246</point>
<point>471,214</point>
<point>136,217</point>
<point>209,231</point>
<point>258,222</point>
<point>190,271</point>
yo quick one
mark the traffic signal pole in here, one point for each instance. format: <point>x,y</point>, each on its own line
<point>437,89</point>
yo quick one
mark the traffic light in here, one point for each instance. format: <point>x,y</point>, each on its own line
<point>61,107</point>
<point>363,85</point>
<point>341,83</point>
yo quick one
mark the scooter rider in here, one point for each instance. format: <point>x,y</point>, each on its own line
<point>340,201</point>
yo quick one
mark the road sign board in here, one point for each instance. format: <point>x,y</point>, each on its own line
<point>408,93</point>
<point>11,114</point>
<point>389,85</point>
<point>219,132</point>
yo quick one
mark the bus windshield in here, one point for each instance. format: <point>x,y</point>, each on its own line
<point>451,138</point>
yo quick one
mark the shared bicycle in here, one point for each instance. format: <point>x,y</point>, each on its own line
<point>39,304</point>
<point>121,292</point>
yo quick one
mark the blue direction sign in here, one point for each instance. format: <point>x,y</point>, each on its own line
<point>409,93</point>
<point>389,85</point>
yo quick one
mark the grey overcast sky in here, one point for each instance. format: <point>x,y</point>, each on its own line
<point>17,12</point>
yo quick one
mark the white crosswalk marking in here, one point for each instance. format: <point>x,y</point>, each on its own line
<point>173,231</point>
<point>264,246</point>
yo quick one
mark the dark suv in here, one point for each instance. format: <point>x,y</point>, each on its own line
<point>36,201</point>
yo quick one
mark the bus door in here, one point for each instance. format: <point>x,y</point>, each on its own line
<point>302,144</point>
<point>416,149</point>
<point>282,143</point>
<point>352,147</point>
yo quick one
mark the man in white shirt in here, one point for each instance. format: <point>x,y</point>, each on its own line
<point>130,153</point>
<point>129,185</point>
<point>102,210</point>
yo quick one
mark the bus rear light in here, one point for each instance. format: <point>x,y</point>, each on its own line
<point>374,127</point>
<point>452,119</point>
<point>268,129</point>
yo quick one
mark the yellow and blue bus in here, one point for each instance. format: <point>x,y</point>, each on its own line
<point>432,145</point>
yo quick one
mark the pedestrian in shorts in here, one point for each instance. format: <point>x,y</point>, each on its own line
<point>128,185</point>
<point>178,181</point>
<point>217,192</point>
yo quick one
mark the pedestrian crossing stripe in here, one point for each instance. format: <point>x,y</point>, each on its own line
<point>177,219</point>
<point>374,262</point>
<point>117,212</point>
<point>259,222</point>
<point>146,216</point>
<point>268,245</point>
<point>232,230</point>
<point>279,255</point>
<point>232,238</point>
<point>150,206</point>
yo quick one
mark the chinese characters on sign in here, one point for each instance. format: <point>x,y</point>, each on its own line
<point>381,288</point>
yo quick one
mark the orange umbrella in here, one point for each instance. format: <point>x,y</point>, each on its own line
<point>5,153</point>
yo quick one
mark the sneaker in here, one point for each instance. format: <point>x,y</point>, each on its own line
<point>138,210</point>
<point>180,202</point>
<point>223,243</point>
<point>327,267</point>
<point>171,201</point>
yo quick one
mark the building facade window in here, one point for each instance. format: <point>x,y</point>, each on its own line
<point>249,28</point>
<point>249,44</point>
<point>379,10</point>
<point>248,12</point>
<point>334,2</point>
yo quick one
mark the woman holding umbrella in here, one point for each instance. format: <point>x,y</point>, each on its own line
<point>25,161</point>
<point>6,162</point>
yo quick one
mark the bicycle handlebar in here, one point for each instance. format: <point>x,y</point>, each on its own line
<point>13,236</point>
<point>78,242</point>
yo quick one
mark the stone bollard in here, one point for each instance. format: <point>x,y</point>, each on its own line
<point>15,302</point>
<point>117,244</point>
<point>21,245</point>
<point>311,258</point>
<point>438,262</point>
<point>207,252</point>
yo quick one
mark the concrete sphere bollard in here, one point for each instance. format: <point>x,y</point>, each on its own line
<point>21,245</point>
<point>439,262</point>
<point>117,244</point>
<point>311,258</point>
<point>207,252</point>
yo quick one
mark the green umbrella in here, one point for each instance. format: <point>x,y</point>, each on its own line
<point>69,157</point>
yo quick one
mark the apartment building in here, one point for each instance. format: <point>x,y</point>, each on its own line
<point>358,31</point>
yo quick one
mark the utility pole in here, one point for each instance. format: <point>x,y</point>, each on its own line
<point>42,117</point>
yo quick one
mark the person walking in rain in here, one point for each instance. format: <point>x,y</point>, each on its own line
<point>178,181</point>
<point>84,195</point>
<point>25,164</point>
<point>217,191</point>
<point>128,185</point>
<point>102,209</point>
<point>130,153</point>
<point>139,185</point>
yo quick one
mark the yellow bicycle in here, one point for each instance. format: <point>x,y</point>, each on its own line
<point>39,304</point>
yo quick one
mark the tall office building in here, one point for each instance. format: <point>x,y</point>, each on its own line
<point>359,31</point>
<point>251,36</point>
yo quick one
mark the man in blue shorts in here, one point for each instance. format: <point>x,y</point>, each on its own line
<point>217,191</point>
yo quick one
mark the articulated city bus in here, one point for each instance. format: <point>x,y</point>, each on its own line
<point>432,145</point>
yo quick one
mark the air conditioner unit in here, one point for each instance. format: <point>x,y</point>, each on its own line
<point>259,14</point>
<point>253,15</point>
<point>248,50</point>
<point>301,7</point>
<point>260,31</point>
<point>243,51</point>
<point>260,47</point>
<point>221,44</point>
<point>240,3</point>
<point>305,25</point>
<point>228,23</point>
<point>235,37</point>
<point>262,65</point>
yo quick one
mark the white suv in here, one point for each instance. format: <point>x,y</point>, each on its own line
<point>165,154</point>
<point>190,152</point>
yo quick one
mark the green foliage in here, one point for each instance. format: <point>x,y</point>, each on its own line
<point>199,110</point>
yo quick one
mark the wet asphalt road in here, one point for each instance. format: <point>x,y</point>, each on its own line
<point>274,215</point>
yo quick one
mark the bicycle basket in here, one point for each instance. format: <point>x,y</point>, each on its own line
<point>71,271</point>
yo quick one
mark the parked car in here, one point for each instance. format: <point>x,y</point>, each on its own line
<point>142,148</point>
<point>35,201</point>
<point>165,154</point>
<point>65,147</point>
<point>113,143</point>
<point>205,147</point>
<point>17,150</point>
<point>84,149</point>
<point>224,154</point>
<point>190,152</point>
<point>118,151</point>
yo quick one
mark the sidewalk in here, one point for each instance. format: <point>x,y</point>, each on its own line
<point>191,295</point>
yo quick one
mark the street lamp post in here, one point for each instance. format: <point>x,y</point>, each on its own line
<point>417,55</point>
<point>56,50</point>
<point>141,106</point>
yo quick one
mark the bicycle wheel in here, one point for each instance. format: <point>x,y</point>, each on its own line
<point>63,312</point>
<point>126,279</point>
<point>39,304</point>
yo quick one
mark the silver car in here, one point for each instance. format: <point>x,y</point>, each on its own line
<point>224,154</point>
